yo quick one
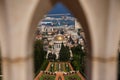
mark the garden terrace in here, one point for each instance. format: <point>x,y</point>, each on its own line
<point>59,66</point>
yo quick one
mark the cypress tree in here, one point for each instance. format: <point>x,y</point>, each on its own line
<point>64,53</point>
<point>39,54</point>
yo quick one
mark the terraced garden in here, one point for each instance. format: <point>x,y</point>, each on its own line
<point>63,67</point>
<point>56,70</point>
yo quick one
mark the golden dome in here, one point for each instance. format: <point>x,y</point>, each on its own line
<point>59,38</point>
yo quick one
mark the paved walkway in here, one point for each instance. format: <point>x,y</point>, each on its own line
<point>70,67</point>
<point>48,66</point>
<point>59,74</point>
<point>38,76</point>
<point>80,75</point>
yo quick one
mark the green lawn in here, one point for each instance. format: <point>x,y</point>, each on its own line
<point>72,77</point>
<point>51,68</point>
<point>67,68</point>
<point>47,77</point>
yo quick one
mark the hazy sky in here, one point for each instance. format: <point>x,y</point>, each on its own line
<point>59,9</point>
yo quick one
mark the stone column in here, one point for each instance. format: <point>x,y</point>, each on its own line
<point>18,19</point>
<point>16,53</point>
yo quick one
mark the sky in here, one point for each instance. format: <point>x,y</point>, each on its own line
<point>59,8</point>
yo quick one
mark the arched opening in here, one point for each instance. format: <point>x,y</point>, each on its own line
<point>79,14</point>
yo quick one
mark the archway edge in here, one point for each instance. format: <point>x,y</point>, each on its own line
<point>76,10</point>
<point>79,14</point>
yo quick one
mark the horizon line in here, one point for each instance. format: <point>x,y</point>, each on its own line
<point>57,14</point>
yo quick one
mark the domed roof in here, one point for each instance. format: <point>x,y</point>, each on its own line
<point>59,37</point>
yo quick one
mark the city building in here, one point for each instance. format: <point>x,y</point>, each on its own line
<point>67,32</point>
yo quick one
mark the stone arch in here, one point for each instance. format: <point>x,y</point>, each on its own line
<point>79,14</point>
<point>103,20</point>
